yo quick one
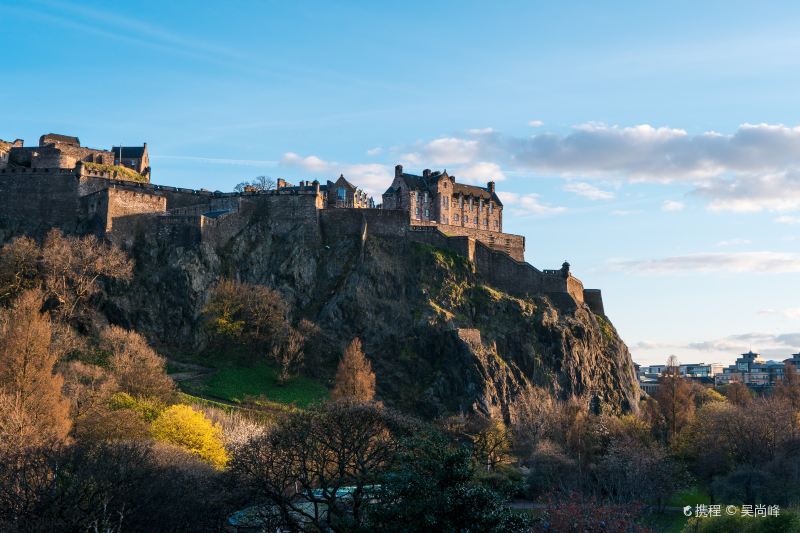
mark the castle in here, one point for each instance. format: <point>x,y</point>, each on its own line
<point>108,193</point>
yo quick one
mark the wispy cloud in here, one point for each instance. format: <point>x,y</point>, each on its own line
<point>588,190</point>
<point>672,206</point>
<point>535,123</point>
<point>374,178</point>
<point>759,262</point>
<point>733,242</point>
<point>788,219</point>
<point>755,168</point>
<point>221,160</point>
<point>528,205</point>
<point>792,313</point>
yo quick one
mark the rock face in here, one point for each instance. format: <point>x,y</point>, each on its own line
<point>441,341</point>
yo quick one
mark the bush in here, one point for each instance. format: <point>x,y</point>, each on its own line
<point>784,523</point>
<point>183,426</point>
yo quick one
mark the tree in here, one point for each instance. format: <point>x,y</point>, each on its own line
<point>257,184</point>
<point>330,457</point>
<point>289,354</point>
<point>739,394</point>
<point>137,368</point>
<point>431,488</point>
<point>249,315</point>
<point>73,266</point>
<point>36,411</point>
<point>18,267</point>
<point>788,389</point>
<point>674,397</point>
<point>355,379</point>
<point>183,426</point>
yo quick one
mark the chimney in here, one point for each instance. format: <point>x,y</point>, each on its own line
<point>281,183</point>
<point>491,186</point>
<point>426,173</point>
<point>398,171</point>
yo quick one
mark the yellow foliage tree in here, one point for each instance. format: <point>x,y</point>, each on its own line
<point>183,426</point>
<point>355,380</point>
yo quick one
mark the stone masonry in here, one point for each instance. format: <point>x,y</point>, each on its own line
<point>60,184</point>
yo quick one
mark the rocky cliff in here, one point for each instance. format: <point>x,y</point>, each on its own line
<point>441,341</point>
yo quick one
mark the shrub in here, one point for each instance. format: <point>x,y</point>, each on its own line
<point>183,426</point>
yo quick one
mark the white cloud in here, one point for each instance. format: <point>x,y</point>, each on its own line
<point>535,123</point>
<point>588,191</point>
<point>371,177</point>
<point>759,262</point>
<point>480,131</point>
<point>769,345</point>
<point>757,167</point>
<point>480,173</point>
<point>374,151</point>
<point>792,313</point>
<point>528,204</point>
<point>672,205</point>
<point>748,194</point>
<point>733,242</point>
<point>626,212</point>
<point>786,219</point>
<point>444,151</point>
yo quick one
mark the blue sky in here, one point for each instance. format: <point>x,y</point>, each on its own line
<point>656,147</point>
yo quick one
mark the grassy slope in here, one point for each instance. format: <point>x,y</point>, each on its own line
<point>256,385</point>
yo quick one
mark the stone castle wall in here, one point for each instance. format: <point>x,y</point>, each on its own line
<point>83,200</point>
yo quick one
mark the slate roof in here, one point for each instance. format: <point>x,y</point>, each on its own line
<point>129,152</point>
<point>420,183</point>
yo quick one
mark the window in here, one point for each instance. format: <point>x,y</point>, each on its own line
<point>455,218</point>
<point>417,196</point>
<point>475,221</point>
<point>427,213</point>
<point>445,201</point>
<point>426,198</point>
<point>416,214</point>
<point>461,202</point>
<point>480,205</point>
<point>340,192</point>
<point>491,207</point>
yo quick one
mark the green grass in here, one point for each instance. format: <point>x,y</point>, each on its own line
<point>123,173</point>
<point>691,496</point>
<point>666,522</point>
<point>259,384</point>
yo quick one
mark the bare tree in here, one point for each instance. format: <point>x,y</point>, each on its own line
<point>257,184</point>
<point>674,397</point>
<point>355,379</point>
<point>73,266</point>
<point>288,354</point>
<point>138,369</point>
<point>304,465</point>
<point>18,267</point>
<point>31,389</point>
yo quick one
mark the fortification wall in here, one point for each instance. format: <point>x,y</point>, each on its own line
<point>35,200</point>
<point>381,222</point>
<point>594,299</point>
<point>513,245</point>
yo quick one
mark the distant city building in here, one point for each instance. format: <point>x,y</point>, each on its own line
<point>750,369</point>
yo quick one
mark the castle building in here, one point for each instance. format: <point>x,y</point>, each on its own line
<point>133,157</point>
<point>338,194</point>
<point>66,152</point>
<point>61,184</point>
<point>437,197</point>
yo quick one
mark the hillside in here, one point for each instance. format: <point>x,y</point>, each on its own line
<point>440,340</point>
